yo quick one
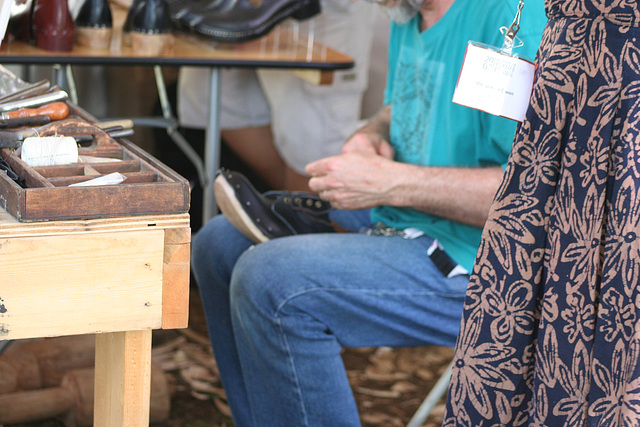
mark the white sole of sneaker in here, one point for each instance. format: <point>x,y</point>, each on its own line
<point>233,210</point>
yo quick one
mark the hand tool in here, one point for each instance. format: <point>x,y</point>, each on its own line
<point>55,110</point>
<point>113,133</point>
<point>24,121</point>
<point>30,90</point>
<point>34,101</point>
<point>115,129</point>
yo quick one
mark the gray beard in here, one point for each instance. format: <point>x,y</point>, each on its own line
<point>400,11</point>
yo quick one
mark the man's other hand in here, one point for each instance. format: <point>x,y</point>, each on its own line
<point>357,179</point>
<point>368,142</point>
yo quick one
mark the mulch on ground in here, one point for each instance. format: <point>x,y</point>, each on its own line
<point>388,384</point>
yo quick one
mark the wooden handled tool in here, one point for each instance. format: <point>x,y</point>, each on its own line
<point>53,95</point>
<point>115,129</point>
<point>55,110</point>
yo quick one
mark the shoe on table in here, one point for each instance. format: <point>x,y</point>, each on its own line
<point>185,12</point>
<point>245,20</point>
<point>147,28</point>
<point>261,217</point>
<point>94,24</point>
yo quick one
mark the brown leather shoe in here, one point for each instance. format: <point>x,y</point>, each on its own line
<point>53,27</point>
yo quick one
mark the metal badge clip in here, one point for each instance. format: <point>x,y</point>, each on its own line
<point>510,38</point>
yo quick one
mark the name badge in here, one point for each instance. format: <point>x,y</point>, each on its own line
<point>495,82</point>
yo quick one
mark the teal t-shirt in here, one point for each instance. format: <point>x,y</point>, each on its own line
<point>427,128</point>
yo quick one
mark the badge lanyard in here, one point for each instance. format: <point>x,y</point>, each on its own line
<point>496,80</point>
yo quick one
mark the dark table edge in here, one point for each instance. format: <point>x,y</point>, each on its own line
<point>175,62</point>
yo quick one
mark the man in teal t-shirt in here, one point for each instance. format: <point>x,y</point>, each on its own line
<point>415,184</point>
<point>427,129</point>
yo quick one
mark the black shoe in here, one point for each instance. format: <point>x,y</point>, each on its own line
<point>262,217</point>
<point>244,20</point>
<point>184,13</point>
<point>94,24</point>
<point>148,17</point>
<point>94,14</point>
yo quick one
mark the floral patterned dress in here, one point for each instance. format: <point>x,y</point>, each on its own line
<point>551,330</point>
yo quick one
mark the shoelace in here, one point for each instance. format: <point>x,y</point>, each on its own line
<point>302,201</point>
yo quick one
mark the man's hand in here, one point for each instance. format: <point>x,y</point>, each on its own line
<point>368,142</point>
<point>357,179</point>
<point>373,137</point>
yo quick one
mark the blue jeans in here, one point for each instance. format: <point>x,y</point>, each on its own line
<point>280,312</point>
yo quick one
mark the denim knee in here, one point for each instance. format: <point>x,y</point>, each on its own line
<point>203,245</point>
<point>265,277</point>
<point>215,249</point>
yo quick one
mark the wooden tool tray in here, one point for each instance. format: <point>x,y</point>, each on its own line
<point>150,186</point>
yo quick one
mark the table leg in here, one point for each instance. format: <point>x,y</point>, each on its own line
<point>211,147</point>
<point>170,124</point>
<point>122,379</point>
<point>62,75</point>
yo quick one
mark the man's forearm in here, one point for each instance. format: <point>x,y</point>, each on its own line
<point>359,180</point>
<point>379,123</point>
<point>460,194</point>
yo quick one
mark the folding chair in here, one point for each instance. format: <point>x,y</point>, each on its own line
<point>432,399</point>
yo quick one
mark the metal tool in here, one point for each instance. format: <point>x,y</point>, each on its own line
<point>24,121</point>
<point>116,133</point>
<point>29,90</point>
<point>34,101</point>
<point>115,129</point>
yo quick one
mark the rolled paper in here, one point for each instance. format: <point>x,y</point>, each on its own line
<point>49,150</point>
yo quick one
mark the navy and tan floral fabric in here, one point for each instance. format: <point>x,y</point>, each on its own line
<point>551,330</point>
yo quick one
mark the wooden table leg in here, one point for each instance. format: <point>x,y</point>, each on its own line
<point>122,379</point>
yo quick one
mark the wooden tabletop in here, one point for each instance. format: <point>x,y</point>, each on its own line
<point>281,48</point>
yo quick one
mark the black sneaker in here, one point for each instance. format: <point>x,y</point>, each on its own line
<point>262,217</point>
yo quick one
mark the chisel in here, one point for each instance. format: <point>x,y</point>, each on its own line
<point>55,111</point>
<point>34,101</point>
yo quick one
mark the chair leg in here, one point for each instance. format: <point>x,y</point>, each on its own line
<point>432,399</point>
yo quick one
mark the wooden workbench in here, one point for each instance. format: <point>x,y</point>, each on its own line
<point>118,278</point>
